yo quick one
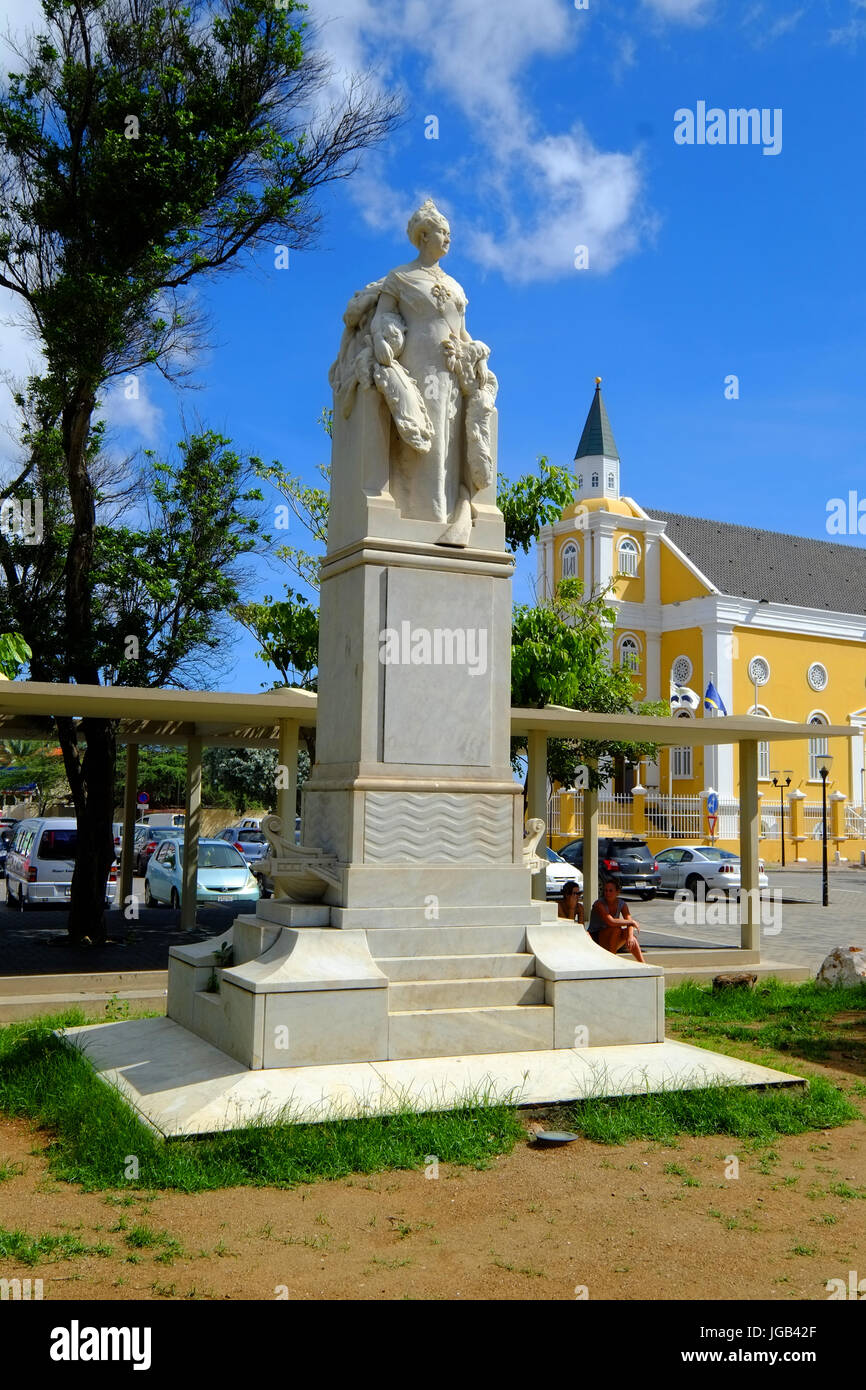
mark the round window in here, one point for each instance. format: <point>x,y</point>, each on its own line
<point>817,676</point>
<point>681,671</point>
<point>759,670</point>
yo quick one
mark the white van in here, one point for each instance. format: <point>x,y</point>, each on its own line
<point>175,818</point>
<point>40,864</point>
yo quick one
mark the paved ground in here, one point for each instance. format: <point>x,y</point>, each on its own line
<point>801,932</point>
<point>26,939</point>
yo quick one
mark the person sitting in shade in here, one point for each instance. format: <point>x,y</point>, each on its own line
<point>570,905</point>
<point>611,924</point>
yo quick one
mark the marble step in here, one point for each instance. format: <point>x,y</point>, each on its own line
<point>463,994</point>
<point>93,1004</point>
<point>411,968</point>
<point>470,1032</point>
<point>444,941</point>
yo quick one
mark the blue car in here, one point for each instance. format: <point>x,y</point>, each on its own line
<point>223,875</point>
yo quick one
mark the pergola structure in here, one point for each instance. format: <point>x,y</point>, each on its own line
<point>272,720</point>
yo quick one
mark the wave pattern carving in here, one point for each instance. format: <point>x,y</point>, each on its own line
<point>438,828</point>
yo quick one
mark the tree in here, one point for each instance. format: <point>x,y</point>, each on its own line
<point>157,593</point>
<point>532,502</point>
<point>26,764</point>
<point>14,653</point>
<point>247,775</point>
<point>559,656</point>
<point>144,145</point>
<point>161,773</point>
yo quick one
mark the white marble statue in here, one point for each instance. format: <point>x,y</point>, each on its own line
<point>406,337</point>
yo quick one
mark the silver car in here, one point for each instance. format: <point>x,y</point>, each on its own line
<point>684,867</point>
<point>251,842</point>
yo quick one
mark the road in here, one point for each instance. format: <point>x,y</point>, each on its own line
<point>800,931</point>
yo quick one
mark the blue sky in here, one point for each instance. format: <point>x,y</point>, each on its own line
<point>556,130</point>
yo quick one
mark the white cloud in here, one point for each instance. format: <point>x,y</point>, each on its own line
<point>686,11</point>
<point>855,30</point>
<point>544,192</point>
<point>133,414</point>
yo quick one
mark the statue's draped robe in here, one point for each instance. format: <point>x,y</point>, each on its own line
<point>425,486</point>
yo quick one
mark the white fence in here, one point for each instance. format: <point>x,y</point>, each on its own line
<point>674,817</point>
<point>813,819</point>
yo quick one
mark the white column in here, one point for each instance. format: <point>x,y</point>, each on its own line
<point>287,796</point>
<point>652,569</point>
<point>653,667</point>
<point>750,808</point>
<point>718,662</point>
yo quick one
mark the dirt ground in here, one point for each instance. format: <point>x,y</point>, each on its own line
<point>641,1221</point>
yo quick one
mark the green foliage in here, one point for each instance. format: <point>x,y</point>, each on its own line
<point>161,589</point>
<point>23,761</point>
<point>287,631</point>
<point>532,502</point>
<point>559,656</point>
<point>161,773</point>
<point>246,776</point>
<point>14,653</point>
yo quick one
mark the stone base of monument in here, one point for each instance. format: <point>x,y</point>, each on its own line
<point>182,1086</point>
<point>300,992</point>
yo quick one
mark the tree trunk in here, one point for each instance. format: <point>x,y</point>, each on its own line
<point>91,768</point>
<point>91,779</point>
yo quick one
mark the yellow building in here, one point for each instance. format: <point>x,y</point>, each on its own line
<point>775,622</point>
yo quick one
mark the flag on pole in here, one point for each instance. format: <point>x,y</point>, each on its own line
<point>713,700</point>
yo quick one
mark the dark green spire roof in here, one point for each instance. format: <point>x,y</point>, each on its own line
<point>597,437</point>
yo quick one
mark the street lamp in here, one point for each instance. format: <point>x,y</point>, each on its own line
<point>781,780</point>
<point>825,762</point>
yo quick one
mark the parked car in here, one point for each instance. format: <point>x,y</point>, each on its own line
<point>6,838</point>
<point>223,875</point>
<point>626,861</point>
<point>177,819</point>
<point>251,842</point>
<point>41,861</point>
<point>558,872</point>
<point>147,838</point>
<point>684,866</point>
<point>251,822</point>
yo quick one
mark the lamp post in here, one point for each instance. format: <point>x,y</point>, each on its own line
<point>824,765</point>
<point>781,780</point>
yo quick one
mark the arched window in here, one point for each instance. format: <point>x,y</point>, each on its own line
<point>611,480</point>
<point>818,747</point>
<point>681,758</point>
<point>629,652</point>
<point>595,480</point>
<point>569,560</point>
<point>580,482</point>
<point>628,556</point>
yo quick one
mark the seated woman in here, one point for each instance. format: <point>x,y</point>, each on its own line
<point>611,924</point>
<point>570,905</point>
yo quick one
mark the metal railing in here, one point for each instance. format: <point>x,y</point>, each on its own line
<point>674,817</point>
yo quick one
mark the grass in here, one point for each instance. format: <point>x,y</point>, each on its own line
<point>800,1019</point>
<point>36,1250</point>
<point>742,1113</point>
<point>94,1132</point>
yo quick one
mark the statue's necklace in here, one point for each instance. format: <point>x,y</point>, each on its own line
<point>440,291</point>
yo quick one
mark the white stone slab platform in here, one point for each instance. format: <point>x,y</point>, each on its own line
<point>182,1086</point>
